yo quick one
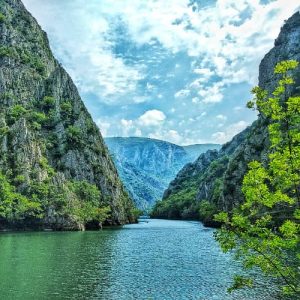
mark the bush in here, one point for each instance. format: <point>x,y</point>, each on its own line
<point>86,192</point>
<point>135,213</point>
<point>16,112</point>
<point>74,135</point>
<point>38,65</point>
<point>2,18</point>
<point>45,166</point>
<point>14,206</point>
<point>207,210</point>
<point>38,117</point>
<point>48,102</point>
<point>87,205</point>
<point>66,108</point>
<point>7,52</point>
<point>4,131</point>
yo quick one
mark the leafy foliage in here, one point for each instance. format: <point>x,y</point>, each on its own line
<point>182,202</point>
<point>2,18</point>
<point>180,205</point>
<point>264,230</point>
<point>7,52</point>
<point>207,210</point>
<point>13,205</point>
<point>48,102</point>
<point>74,135</point>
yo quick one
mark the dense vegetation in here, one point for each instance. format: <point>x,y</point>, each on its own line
<point>183,204</point>
<point>26,202</point>
<point>265,230</point>
<point>55,170</point>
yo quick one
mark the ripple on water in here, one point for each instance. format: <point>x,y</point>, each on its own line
<point>157,259</point>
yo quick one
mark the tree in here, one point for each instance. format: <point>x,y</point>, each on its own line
<point>264,230</point>
<point>102,214</point>
<point>13,205</point>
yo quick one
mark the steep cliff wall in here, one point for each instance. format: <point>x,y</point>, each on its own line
<point>147,166</point>
<point>48,138</point>
<point>218,182</point>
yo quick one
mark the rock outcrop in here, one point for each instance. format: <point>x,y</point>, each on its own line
<point>47,136</point>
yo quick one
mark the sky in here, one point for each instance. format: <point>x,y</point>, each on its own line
<point>176,70</point>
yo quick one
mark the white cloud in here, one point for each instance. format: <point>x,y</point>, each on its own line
<point>195,100</point>
<point>171,136</point>
<point>110,75</point>
<point>126,123</point>
<point>230,46</point>
<point>150,87</point>
<point>204,72</point>
<point>83,39</point>
<point>127,127</point>
<point>139,99</point>
<point>219,31</point>
<point>237,108</point>
<point>104,126</point>
<point>223,46</point>
<point>221,117</point>
<point>229,132</point>
<point>138,132</point>
<point>152,118</point>
<point>212,94</point>
<point>182,93</point>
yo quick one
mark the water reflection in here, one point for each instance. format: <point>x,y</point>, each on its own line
<point>57,265</point>
<point>156,259</point>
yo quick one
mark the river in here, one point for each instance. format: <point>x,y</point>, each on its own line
<point>152,260</point>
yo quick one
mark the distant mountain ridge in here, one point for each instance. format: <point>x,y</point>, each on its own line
<point>147,166</point>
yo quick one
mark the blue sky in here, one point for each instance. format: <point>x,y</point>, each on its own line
<point>176,70</point>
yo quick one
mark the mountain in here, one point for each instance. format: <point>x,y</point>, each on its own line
<point>55,170</point>
<point>146,165</point>
<point>194,150</point>
<point>213,182</point>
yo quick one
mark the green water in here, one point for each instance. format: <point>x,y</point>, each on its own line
<point>155,260</point>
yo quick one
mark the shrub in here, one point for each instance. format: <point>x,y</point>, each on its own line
<point>7,52</point>
<point>14,206</point>
<point>45,166</point>
<point>86,191</point>
<point>38,65</point>
<point>207,210</point>
<point>38,117</point>
<point>66,108</point>
<point>48,102</point>
<point>16,112</point>
<point>74,135</point>
<point>2,18</point>
<point>4,131</point>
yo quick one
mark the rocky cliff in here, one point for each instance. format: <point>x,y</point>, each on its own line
<point>214,181</point>
<point>147,166</point>
<point>49,143</point>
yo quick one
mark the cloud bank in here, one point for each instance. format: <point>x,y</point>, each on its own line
<point>171,69</point>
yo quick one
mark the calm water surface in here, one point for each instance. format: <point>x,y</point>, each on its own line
<point>155,260</point>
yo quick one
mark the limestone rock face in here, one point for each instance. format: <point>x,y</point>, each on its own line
<point>147,166</point>
<point>68,139</point>
<point>219,180</point>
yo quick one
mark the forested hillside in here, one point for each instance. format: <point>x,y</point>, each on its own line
<point>55,170</point>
